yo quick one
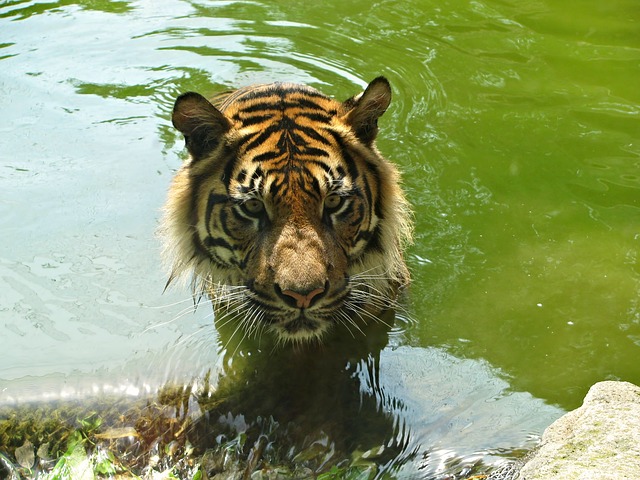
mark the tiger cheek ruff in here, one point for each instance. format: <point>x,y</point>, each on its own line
<point>286,214</point>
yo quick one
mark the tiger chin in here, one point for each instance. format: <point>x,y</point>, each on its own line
<point>285,213</point>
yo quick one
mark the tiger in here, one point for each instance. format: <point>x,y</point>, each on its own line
<point>285,212</point>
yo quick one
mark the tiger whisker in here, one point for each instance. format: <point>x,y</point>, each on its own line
<point>372,300</point>
<point>345,320</point>
<point>230,339</point>
<point>181,314</point>
<point>183,339</point>
<point>379,299</point>
<point>364,313</point>
<point>252,320</point>
<point>167,305</point>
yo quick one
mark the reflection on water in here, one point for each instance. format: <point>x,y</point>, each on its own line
<point>354,402</point>
<point>515,124</point>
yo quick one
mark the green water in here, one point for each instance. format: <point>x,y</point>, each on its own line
<point>532,220</point>
<point>517,127</point>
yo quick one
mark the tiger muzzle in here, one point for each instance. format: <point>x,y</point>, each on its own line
<point>302,267</point>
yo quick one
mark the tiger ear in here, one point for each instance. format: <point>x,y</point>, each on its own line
<point>200,122</point>
<point>362,111</point>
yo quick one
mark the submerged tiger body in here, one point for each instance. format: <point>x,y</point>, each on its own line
<point>285,211</point>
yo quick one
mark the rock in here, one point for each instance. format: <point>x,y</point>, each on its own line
<point>600,440</point>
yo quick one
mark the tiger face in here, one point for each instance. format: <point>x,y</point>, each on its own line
<point>285,213</point>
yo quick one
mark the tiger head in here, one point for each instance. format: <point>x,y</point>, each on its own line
<point>285,212</point>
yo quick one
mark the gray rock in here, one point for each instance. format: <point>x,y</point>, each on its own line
<point>600,440</point>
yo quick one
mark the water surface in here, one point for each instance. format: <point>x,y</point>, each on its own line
<point>517,127</point>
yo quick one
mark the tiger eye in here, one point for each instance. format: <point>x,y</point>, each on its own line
<point>333,201</point>
<point>253,206</point>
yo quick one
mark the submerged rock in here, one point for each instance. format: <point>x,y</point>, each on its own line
<point>600,440</point>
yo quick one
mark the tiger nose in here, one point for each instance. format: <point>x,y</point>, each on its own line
<point>302,299</point>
